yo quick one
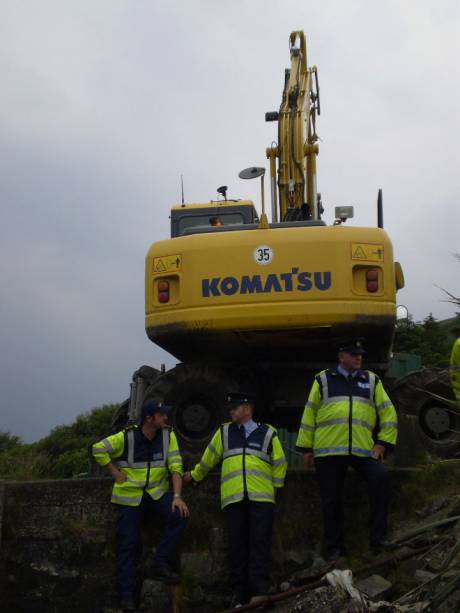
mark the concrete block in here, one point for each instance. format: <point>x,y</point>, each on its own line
<point>375,586</point>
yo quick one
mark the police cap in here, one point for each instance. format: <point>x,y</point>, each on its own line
<point>354,346</point>
<point>236,398</point>
<point>154,406</point>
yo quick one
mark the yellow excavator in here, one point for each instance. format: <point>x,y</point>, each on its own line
<point>248,303</point>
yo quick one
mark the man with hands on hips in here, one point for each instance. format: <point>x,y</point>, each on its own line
<point>143,460</point>
<point>348,407</point>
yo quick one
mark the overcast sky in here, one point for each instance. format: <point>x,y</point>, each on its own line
<point>105,103</point>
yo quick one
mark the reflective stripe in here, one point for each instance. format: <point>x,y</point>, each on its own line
<point>267,440</point>
<point>124,464</point>
<point>307,428</point>
<point>259,454</point>
<point>156,464</point>
<point>142,483</point>
<point>261,496</point>
<point>172,454</point>
<point>107,446</point>
<point>325,389</point>
<point>330,450</point>
<point>341,450</point>
<point>204,466</point>
<point>230,452</point>
<point>364,424</point>
<point>157,494</point>
<point>126,499</point>
<point>364,401</point>
<point>371,385</point>
<point>225,437</point>
<point>130,440</point>
<point>339,399</point>
<point>232,498</point>
<point>354,399</point>
<point>367,452</point>
<point>384,405</point>
<point>454,367</point>
<point>231,475</point>
<point>279,461</point>
<point>166,440</point>
<point>251,471</point>
<point>157,483</point>
<point>249,451</point>
<point>311,405</point>
<point>212,449</point>
<point>344,420</point>
<point>278,481</point>
<point>388,424</point>
<point>96,450</point>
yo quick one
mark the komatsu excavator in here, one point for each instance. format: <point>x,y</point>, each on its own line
<point>250,304</point>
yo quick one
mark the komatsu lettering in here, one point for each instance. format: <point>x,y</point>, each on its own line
<point>296,280</point>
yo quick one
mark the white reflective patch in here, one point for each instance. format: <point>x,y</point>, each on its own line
<point>365,386</point>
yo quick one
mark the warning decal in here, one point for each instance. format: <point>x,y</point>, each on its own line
<point>367,252</point>
<point>168,263</point>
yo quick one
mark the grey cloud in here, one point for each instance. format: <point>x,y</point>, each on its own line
<point>104,104</point>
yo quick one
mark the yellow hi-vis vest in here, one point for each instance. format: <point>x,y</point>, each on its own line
<point>145,463</point>
<point>341,415</point>
<point>454,369</point>
<point>252,466</point>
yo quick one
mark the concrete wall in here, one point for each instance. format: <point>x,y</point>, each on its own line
<point>58,544</point>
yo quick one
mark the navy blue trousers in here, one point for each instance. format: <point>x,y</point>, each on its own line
<point>331,472</point>
<point>128,537</point>
<point>250,528</point>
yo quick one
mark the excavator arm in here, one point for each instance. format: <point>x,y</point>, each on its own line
<point>297,147</point>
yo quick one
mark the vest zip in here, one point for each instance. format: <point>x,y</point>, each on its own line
<point>148,467</point>
<point>245,487</point>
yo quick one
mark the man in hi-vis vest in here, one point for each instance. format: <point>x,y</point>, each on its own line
<point>143,460</point>
<point>454,369</point>
<point>253,467</point>
<point>349,421</point>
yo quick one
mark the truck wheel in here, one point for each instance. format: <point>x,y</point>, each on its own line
<point>438,423</point>
<point>198,394</point>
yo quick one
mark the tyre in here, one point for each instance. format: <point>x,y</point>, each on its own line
<point>426,394</point>
<point>197,394</point>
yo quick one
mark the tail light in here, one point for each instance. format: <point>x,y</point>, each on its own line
<point>372,280</point>
<point>163,291</point>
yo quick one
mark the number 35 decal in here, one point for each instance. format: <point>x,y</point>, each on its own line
<point>263,255</point>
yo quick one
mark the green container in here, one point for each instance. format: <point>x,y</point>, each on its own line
<point>288,440</point>
<point>403,363</point>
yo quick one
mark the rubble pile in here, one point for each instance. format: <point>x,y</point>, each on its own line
<point>419,571</point>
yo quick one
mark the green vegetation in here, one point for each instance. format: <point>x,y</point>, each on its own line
<point>8,441</point>
<point>63,453</point>
<point>429,339</point>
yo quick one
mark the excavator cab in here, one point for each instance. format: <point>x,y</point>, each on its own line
<point>200,218</point>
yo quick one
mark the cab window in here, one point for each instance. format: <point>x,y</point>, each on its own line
<point>192,221</point>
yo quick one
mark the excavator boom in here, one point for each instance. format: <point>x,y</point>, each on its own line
<point>297,140</point>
